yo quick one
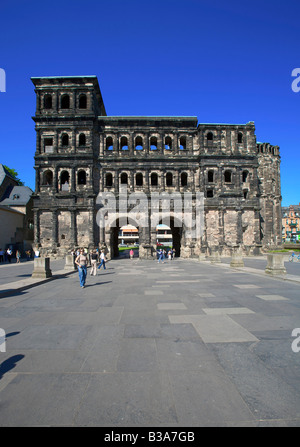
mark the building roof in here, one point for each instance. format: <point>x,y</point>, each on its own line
<point>18,196</point>
<point>4,173</point>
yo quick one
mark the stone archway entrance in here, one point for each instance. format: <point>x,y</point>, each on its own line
<point>122,238</point>
<point>176,233</point>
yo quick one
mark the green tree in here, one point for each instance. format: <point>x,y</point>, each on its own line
<point>13,173</point>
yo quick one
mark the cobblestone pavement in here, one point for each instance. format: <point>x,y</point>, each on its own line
<point>184,343</point>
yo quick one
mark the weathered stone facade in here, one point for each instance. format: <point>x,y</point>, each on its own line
<point>81,153</point>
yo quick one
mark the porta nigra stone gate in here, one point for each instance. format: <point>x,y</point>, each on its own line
<point>83,154</point>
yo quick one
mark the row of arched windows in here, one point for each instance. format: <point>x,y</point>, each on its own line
<point>227,176</point>
<point>210,137</point>
<point>64,178</point>
<point>139,143</point>
<point>64,102</point>
<point>65,140</point>
<point>153,180</point>
<point>168,142</point>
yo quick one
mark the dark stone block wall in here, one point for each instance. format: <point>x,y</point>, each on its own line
<point>81,153</point>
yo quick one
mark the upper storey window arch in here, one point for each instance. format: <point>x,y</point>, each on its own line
<point>82,139</point>
<point>139,179</point>
<point>210,176</point>
<point>124,144</point>
<point>169,179</point>
<point>139,143</point>
<point>65,101</point>
<point>81,177</point>
<point>153,143</point>
<point>168,143</point>
<point>240,138</point>
<point>210,137</point>
<point>228,176</point>
<point>154,179</point>
<point>82,101</point>
<point>182,143</point>
<point>65,139</point>
<point>47,178</point>
<point>48,101</point>
<point>184,179</point>
<point>109,145</point>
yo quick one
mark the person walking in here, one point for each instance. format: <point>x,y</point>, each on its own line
<point>18,256</point>
<point>131,253</point>
<point>160,256</point>
<point>94,259</point>
<point>82,261</point>
<point>102,260</point>
<point>9,254</point>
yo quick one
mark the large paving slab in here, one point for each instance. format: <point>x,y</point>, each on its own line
<point>184,343</point>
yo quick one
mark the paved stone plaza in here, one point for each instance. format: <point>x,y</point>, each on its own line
<point>184,343</point>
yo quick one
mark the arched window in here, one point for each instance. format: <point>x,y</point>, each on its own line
<point>81,177</point>
<point>154,179</point>
<point>227,176</point>
<point>210,176</point>
<point>65,102</point>
<point>47,102</point>
<point>108,180</point>
<point>168,143</point>
<point>245,176</point>
<point>109,144</point>
<point>64,181</point>
<point>82,139</point>
<point>139,179</point>
<point>240,137</point>
<point>182,143</point>
<point>48,178</point>
<point>65,139</point>
<point>124,178</point>
<point>82,101</point>
<point>124,144</point>
<point>153,143</point>
<point>184,179</point>
<point>169,179</point>
<point>209,138</point>
<point>138,144</point>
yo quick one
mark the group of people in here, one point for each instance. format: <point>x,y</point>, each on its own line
<point>6,255</point>
<point>83,259</point>
<point>162,254</point>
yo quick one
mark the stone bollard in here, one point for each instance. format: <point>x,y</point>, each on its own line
<point>202,257</point>
<point>70,264</point>
<point>215,256</point>
<point>275,265</point>
<point>41,268</point>
<point>236,258</point>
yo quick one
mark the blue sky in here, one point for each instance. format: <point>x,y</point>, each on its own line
<point>222,61</point>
